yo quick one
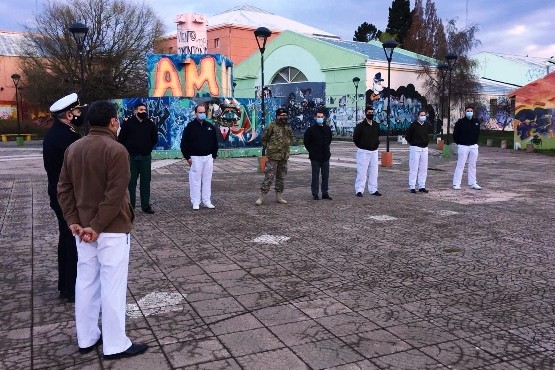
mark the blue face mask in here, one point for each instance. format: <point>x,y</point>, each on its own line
<point>469,115</point>
<point>201,116</point>
<point>422,118</point>
<point>319,120</point>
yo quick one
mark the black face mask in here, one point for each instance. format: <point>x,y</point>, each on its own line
<point>142,115</point>
<point>77,121</point>
<point>370,116</point>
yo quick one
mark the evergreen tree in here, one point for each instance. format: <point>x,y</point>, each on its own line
<point>399,19</point>
<point>366,32</point>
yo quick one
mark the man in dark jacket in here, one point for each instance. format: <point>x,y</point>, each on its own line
<point>67,115</point>
<point>367,139</point>
<point>317,140</point>
<point>466,134</point>
<point>139,135</point>
<point>199,145</point>
<point>417,137</point>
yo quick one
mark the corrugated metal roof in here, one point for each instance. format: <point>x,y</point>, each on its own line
<point>253,17</point>
<point>374,51</point>
<point>489,87</point>
<point>11,43</point>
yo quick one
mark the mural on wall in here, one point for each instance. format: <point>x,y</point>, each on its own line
<point>191,33</point>
<point>302,100</point>
<point>237,120</point>
<point>499,120</point>
<point>8,112</point>
<point>405,104</point>
<point>189,75</point>
<point>534,121</point>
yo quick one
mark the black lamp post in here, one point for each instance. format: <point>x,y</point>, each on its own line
<point>16,78</point>
<point>262,34</point>
<point>451,59</point>
<point>442,67</point>
<point>79,32</point>
<point>356,80</point>
<point>388,47</point>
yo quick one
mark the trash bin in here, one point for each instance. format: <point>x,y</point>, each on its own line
<point>19,140</point>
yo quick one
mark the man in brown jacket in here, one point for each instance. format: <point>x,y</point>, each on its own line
<point>92,192</point>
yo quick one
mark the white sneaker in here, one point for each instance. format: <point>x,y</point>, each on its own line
<point>456,187</point>
<point>476,187</point>
<point>209,205</point>
<point>196,207</point>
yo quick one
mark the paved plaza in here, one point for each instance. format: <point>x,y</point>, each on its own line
<point>445,280</point>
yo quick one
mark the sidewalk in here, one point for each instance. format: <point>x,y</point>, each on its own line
<point>445,280</point>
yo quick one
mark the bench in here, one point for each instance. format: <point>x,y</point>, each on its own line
<point>27,137</point>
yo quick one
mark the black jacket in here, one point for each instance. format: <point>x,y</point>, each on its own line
<point>55,143</point>
<point>139,138</point>
<point>417,134</point>
<point>466,131</point>
<point>199,139</point>
<point>317,140</point>
<point>367,136</point>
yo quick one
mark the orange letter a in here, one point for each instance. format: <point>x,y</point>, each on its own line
<point>166,78</point>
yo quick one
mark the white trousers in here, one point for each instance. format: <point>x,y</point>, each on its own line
<point>200,179</point>
<point>418,166</point>
<point>465,152</point>
<point>367,164</point>
<point>102,284</point>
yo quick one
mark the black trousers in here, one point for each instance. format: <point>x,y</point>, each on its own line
<point>67,253</point>
<point>318,167</point>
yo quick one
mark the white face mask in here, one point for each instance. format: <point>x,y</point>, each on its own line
<point>118,131</point>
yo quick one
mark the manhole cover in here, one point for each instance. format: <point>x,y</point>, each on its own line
<point>271,239</point>
<point>155,303</point>
<point>383,218</point>
<point>451,250</point>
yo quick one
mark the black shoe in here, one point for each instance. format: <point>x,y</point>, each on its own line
<point>359,194</point>
<point>377,193</point>
<point>86,350</point>
<point>423,190</point>
<point>326,196</point>
<point>148,210</point>
<point>316,197</point>
<point>413,191</point>
<point>134,350</point>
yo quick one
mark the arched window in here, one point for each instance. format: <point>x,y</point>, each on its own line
<point>287,75</point>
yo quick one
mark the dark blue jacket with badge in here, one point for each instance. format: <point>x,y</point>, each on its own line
<point>55,143</point>
<point>199,139</point>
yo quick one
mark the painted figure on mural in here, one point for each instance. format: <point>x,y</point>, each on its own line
<point>93,195</point>
<point>466,134</point>
<point>317,140</point>
<point>139,136</point>
<point>417,137</point>
<point>276,139</point>
<point>367,139</point>
<point>67,116</point>
<point>199,145</point>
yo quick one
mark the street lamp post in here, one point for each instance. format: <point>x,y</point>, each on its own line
<point>388,47</point>
<point>442,67</point>
<point>16,78</point>
<point>79,32</point>
<point>451,59</point>
<point>262,34</point>
<point>356,80</point>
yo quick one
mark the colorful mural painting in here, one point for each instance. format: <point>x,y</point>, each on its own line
<point>189,75</point>
<point>534,121</point>
<point>405,104</point>
<point>495,116</point>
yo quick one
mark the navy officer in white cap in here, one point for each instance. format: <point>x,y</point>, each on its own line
<point>68,115</point>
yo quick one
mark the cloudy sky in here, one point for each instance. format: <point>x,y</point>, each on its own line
<point>511,26</point>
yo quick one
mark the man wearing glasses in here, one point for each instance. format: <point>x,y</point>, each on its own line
<point>276,139</point>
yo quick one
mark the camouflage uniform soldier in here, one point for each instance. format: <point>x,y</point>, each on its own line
<point>276,139</point>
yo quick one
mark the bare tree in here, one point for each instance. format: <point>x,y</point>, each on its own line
<point>121,33</point>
